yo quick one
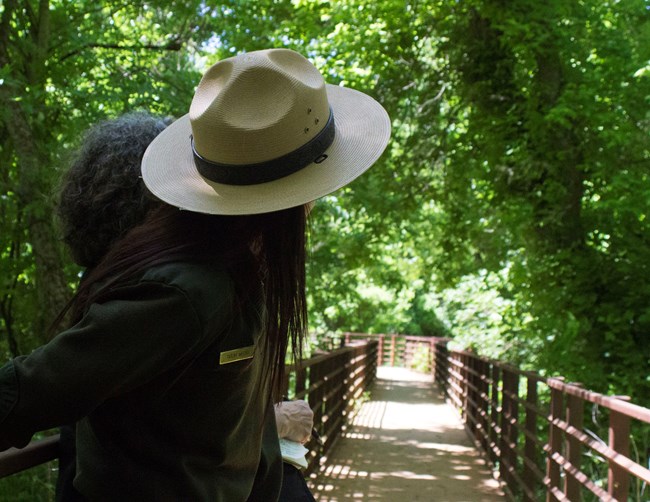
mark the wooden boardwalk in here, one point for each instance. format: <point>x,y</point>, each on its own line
<point>405,444</point>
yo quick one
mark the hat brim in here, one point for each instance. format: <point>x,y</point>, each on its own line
<point>362,133</point>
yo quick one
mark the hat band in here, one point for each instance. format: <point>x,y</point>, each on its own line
<point>263,172</point>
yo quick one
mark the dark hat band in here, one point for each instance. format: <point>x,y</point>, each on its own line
<point>263,172</point>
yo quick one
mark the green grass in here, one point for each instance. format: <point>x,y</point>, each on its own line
<point>33,485</point>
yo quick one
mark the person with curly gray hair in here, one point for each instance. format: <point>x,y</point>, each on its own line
<point>101,198</point>
<point>102,195</point>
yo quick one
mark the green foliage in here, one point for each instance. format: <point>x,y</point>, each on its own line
<point>33,485</point>
<point>555,152</point>
<point>421,359</point>
<point>510,208</point>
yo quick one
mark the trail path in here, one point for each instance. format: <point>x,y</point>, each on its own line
<point>406,444</point>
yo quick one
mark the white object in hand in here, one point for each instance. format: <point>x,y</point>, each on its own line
<point>293,453</point>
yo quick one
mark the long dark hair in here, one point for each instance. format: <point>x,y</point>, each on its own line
<point>262,252</point>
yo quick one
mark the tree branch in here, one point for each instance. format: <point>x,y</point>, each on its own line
<point>173,45</point>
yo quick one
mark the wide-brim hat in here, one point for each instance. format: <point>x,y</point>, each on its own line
<point>264,133</point>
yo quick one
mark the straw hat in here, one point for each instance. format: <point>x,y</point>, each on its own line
<point>264,133</point>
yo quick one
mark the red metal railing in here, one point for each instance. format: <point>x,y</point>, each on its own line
<point>542,447</point>
<point>532,430</point>
<point>332,383</point>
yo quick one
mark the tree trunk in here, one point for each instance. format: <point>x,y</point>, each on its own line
<point>30,143</point>
<point>560,151</point>
<point>36,207</point>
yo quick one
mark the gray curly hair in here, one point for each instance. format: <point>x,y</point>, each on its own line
<point>102,196</point>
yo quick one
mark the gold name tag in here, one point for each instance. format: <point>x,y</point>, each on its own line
<point>232,356</point>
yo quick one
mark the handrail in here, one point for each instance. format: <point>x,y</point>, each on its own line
<point>613,403</point>
<point>531,429</point>
<point>15,460</point>
<point>332,384</point>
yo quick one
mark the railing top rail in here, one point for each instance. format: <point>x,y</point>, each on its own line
<point>406,337</point>
<point>611,402</point>
<point>531,375</point>
<point>15,460</point>
<point>306,363</point>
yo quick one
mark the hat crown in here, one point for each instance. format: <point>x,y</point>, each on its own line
<point>257,107</point>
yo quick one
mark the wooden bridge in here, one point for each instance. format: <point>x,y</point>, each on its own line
<point>405,444</point>
<point>461,428</point>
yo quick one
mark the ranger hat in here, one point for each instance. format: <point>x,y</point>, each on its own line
<point>264,133</point>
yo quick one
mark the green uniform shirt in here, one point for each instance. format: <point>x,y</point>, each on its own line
<point>164,376</point>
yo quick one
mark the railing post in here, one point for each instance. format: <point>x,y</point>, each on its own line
<point>301,377</point>
<point>436,371</point>
<point>482,396</point>
<point>574,416</point>
<point>437,367</point>
<point>487,405</point>
<point>315,396</point>
<point>618,479</point>
<point>393,348</point>
<point>484,404</point>
<point>462,382</point>
<point>503,424</point>
<point>472,395</point>
<point>362,364</point>
<point>442,366</point>
<point>509,419</point>
<point>530,449</point>
<point>373,370</point>
<point>456,378</point>
<point>406,353</point>
<point>494,412</point>
<point>380,353</point>
<point>554,443</point>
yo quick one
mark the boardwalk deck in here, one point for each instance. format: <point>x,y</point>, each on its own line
<point>405,444</point>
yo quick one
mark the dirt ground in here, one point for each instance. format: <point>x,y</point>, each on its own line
<point>405,444</point>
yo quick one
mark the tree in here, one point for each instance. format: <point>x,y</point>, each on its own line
<point>65,65</point>
<point>552,142</point>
